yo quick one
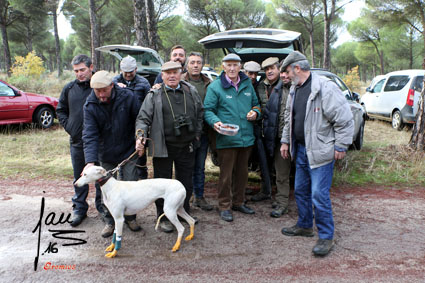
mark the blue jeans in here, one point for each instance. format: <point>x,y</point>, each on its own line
<point>79,200</point>
<point>312,188</point>
<point>198,178</point>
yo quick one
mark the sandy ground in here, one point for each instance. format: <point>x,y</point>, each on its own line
<point>379,238</point>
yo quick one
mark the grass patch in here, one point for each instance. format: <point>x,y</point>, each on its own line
<point>384,160</point>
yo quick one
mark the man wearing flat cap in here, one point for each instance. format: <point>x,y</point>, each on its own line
<point>318,130</point>
<point>139,86</point>
<point>251,69</point>
<point>172,117</point>
<point>108,134</point>
<point>264,89</point>
<point>231,99</point>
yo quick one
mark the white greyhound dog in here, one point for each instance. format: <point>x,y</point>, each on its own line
<point>129,197</point>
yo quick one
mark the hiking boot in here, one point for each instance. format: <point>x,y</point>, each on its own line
<point>108,230</point>
<point>202,203</point>
<point>166,226</point>
<point>260,196</point>
<point>297,231</point>
<point>226,215</point>
<point>243,208</point>
<point>275,204</point>
<point>279,211</point>
<point>322,247</point>
<point>132,224</point>
<point>77,219</point>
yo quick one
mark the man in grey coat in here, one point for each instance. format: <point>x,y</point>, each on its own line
<point>318,130</point>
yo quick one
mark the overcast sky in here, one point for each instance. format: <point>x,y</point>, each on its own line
<point>352,11</point>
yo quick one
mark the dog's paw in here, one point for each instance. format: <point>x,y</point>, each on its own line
<point>189,237</point>
<point>110,248</point>
<point>111,254</point>
<point>176,247</point>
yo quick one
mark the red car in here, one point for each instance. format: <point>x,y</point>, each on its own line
<point>18,107</point>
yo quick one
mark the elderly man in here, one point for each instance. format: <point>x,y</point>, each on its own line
<point>251,69</point>
<point>265,88</point>
<point>172,117</point>
<point>194,64</point>
<point>108,134</point>
<point>273,123</point>
<point>231,99</point>
<point>139,86</point>
<point>177,54</point>
<point>70,115</point>
<point>318,130</point>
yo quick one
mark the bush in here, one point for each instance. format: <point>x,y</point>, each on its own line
<point>352,79</point>
<point>30,66</point>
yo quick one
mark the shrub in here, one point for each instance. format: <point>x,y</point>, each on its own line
<point>30,66</point>
<point>352,79</point>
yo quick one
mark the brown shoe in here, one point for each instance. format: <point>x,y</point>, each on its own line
<point>202,203</point>
<point>132,224</point>
<point>108,230</point>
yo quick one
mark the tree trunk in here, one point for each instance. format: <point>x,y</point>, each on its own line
<point>410,49</point>
<point>417,140</point>
<point>29,36</point>
<point>140,22</point>
<point>57,43</point>
<point>312,48</point>
<point>381,60</point>
<point>6,50</point>
<point>151,25</point>
<point>94,32</point>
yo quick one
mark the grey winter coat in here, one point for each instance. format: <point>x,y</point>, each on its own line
<point>328,122</point>
<point>150,119</point>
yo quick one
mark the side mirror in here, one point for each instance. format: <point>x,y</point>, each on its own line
<point>17,92</point>
<point>356,96</point>
<point>368,89</point>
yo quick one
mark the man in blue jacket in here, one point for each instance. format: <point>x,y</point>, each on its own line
<point>108,134</point>
<point>231,99</point>
<point>140,87</point>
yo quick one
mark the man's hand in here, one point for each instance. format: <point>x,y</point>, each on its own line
<point>140,146</point>
<point>251,116</point>
<point>217,126</point>
<point>121,85</point>
<point>339,154</point>
<point>88,165</point>
<point>284,150</point>
<point>156,86</point>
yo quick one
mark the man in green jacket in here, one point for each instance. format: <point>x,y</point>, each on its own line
<point>231,99</point>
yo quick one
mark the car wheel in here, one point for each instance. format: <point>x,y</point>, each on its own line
<point>397,121</point>
<point>44,117</point>
<point>358,142</point>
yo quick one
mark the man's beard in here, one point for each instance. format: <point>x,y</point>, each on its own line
<point>295,80</point>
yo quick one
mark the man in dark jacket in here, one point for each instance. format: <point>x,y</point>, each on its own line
<point>172,117</point>
<point>273,123</point>
<point>140,86</point>
<point>108,134</point>
<point>70,115</point>
<point>194,64</point>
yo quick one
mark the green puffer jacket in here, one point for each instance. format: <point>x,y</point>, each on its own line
<point>223,103</point>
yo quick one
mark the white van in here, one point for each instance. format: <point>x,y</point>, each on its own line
<point>395,97</point>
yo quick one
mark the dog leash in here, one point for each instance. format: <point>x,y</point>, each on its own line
<point>139,135</point>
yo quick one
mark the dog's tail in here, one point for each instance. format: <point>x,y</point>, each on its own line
<point>157,221</point>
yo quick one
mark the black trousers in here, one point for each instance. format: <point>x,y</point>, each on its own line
<point>183,159</point>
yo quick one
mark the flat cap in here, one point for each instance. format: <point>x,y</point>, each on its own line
<point>252,66</point>
<point>171,65</point>
<point>101,79</point>
<point>231,57</point>
<point>269,61</point>
<point>128,64</point>
<point>293,57</point>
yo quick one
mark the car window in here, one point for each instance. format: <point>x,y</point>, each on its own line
<point>344,89</point>
<point>418,83</point>
<point>378,86</point>
<point>5,90</point>
<point>144,60</point>
<point>395,83</point>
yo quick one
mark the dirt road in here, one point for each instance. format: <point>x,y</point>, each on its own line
<point>379,238</point>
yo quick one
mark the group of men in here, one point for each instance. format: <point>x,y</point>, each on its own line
<point>184,113</point>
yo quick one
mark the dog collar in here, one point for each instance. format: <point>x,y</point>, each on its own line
<point>103,180</point>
